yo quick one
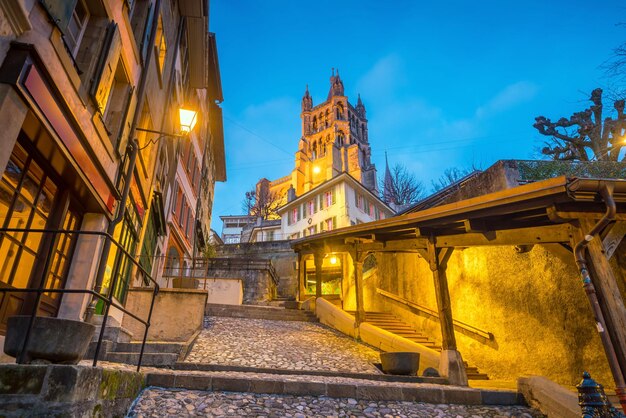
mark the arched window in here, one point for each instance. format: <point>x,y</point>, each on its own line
<point>340,138</point>
<point>314,150</point>
<point>339,110</point>
<point>314,124</point>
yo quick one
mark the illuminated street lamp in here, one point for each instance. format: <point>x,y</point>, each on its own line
<point>316,169</point>
<point>188,119</point>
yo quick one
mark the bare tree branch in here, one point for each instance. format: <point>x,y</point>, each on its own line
<point>403,188</point>
<point>593,138</point>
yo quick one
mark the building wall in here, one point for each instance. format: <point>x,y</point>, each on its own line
<point>532,302</point>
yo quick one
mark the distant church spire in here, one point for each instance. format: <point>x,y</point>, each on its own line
<point>360,108</point>
<point>307,100</point>
<point>388,184</point>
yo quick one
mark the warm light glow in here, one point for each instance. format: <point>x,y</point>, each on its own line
<point>316,170</point>
<point>333,260</point>
<point>188,119</point>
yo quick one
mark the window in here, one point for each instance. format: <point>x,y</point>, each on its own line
<point>329,224</point>
<point>117,102</point>
<point>311,207</point>
<point>312,230</point>
<point>294,215</point>
<point>160,46</point>
<point>372,210</point>
<point>359,201</point>
<point>270,236</point>
<point>328,198</point>
<point>76,27</point>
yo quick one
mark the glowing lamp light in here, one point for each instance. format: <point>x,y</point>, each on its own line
<point>188,119</point>
<point>333,260</point>
<point>316,170</point>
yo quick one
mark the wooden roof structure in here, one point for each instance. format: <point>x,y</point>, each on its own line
<point>564,214</point>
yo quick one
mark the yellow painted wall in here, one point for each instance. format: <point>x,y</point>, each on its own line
<point>532,302</point>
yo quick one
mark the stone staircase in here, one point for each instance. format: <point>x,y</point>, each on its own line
<point>277,313</point>
<point>391,323</point>
<point>117,347</point>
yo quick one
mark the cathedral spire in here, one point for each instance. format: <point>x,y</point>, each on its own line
<point>388,184</point>
<point>307,100</point>
<point>336,85</point>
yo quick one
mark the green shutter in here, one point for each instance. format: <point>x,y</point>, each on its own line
<point>60,12</point>
<point>306,209</point>
<point>315,205</point>
<point>334,195</point>
<point>334,222</point>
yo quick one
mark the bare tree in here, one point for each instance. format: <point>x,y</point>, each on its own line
<point>401,187</point>
<point>449,176</point>
<point>585,136</point>
<point>615,69</point>
<point>262,203</point>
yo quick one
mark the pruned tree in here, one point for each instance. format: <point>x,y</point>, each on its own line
<point>401,187</point>
<point>262,203</point>
<point>615,69</point>
<point>585,136</point>
<point>449,176</point>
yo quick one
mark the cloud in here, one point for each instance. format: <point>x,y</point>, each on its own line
<point>384,78</point>
<point>510,96</point>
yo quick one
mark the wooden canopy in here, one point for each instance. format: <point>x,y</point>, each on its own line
<point>557,213</point>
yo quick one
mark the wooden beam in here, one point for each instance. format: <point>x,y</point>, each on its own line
<point>523,236</point>
<point>438,260</point>
<point>609,296</point>
<point>319,261</point>
<point>475,225</point>
<point>613,239</point>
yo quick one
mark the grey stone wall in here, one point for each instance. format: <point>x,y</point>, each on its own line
<point>279,252</point>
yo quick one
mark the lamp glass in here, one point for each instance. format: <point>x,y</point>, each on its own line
<point>188,119</point>
<point>316,170</point>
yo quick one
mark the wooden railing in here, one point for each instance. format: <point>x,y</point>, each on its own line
<point>434,315</point>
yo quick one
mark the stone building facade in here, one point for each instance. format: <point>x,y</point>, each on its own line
<point>79,81</point>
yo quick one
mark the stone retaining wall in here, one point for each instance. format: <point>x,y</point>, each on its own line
<point>61,390</point>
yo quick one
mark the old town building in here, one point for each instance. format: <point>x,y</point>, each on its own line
<point>80,81</point>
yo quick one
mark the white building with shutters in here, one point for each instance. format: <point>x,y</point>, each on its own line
<point>341,201</point>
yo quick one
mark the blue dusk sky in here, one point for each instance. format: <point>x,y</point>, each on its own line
<point>445,83</point>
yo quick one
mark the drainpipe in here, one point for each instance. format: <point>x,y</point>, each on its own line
<point>606,191</point>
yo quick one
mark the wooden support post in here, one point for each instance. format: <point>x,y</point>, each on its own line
<point>451,363</point>
<point>609,296</point>
<point>318,259</point>
<point>301,276</point>
<point>358,288</point>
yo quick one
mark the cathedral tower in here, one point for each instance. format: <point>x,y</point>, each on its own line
<point>334,140</point>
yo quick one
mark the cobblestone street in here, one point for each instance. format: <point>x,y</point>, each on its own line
<point>156,402</point>
<point>280,344</point>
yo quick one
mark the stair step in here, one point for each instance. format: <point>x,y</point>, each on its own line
<point>148,359</point>
<point>151,347</point>
<point>259,312</point>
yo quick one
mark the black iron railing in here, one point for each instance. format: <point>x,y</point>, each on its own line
<point>200,268</point>
<point>108,299</point>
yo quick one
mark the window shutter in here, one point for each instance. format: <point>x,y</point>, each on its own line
<point>306,209</point>
<point>145,39</point>
<point>105,71</point>
<point>334,195</point>
<point>60,11</point>
<point>356,199</point>
<point>321,198</point>
<point>315,205</point>
<point>334,222</point>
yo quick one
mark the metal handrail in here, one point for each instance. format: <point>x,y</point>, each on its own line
<point>435,315</point>
<point>108,300</point>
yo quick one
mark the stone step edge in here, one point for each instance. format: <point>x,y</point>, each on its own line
<point>208,367</point>
<point>417,393</point>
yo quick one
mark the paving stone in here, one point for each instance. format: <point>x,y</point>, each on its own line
<point>283,345</point>
<point>155,402</point>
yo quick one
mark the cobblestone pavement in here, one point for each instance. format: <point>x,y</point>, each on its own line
<point>280,344</point>
<point>155,402</point>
